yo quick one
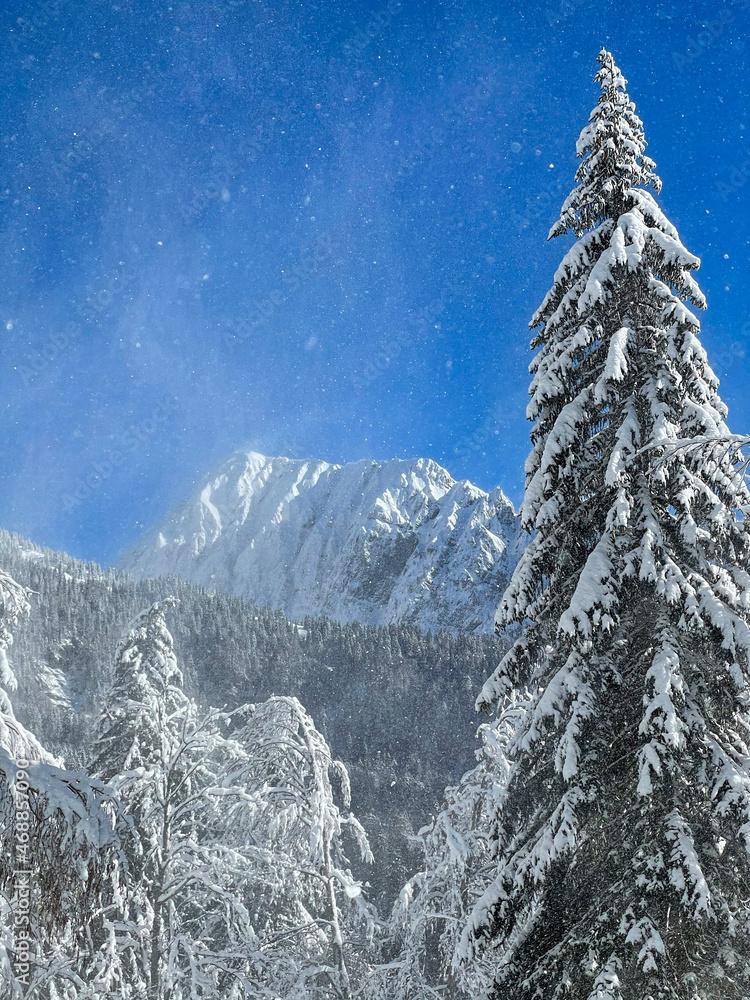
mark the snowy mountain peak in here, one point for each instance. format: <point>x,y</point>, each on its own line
<point>366,541</point>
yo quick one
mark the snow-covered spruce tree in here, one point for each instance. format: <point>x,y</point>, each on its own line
<point>622,845</point>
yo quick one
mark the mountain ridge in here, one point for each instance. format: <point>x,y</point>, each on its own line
<point>376,542</point>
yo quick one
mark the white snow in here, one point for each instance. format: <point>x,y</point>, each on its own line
<point>375,542</point>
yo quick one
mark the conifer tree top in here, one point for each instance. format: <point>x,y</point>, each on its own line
<point>146,689</point>
<point>147,648</point>
<point>612,149</point>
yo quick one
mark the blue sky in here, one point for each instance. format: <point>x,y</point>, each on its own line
<point>318,229</point>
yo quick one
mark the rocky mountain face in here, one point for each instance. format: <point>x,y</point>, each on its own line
<point>374,542</point>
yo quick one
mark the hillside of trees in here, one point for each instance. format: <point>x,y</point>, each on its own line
<point>396,704</point>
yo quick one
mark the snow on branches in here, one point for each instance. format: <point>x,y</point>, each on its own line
<point>432,921</point>
<point>61,842</point>
<point>240,880</point>
<point>625,819</point>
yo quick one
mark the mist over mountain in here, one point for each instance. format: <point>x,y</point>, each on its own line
<point>373,542</point>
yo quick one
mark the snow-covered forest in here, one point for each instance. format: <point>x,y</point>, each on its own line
<point>358,682</point>
<point>203,799</point>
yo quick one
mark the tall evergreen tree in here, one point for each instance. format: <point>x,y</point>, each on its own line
<point>621,845</point>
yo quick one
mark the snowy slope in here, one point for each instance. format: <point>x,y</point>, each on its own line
<point>374,542</point>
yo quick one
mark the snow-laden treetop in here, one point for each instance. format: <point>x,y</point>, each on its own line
<point>613,161</point>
